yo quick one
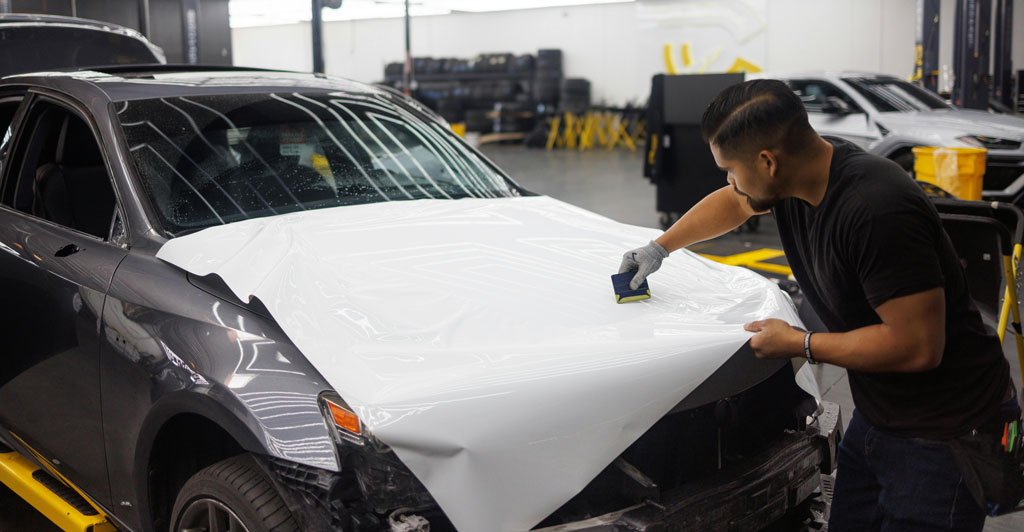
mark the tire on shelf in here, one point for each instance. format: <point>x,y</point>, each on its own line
<point>549,59</point>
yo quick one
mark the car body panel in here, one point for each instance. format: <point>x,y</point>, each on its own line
<point>170,348</point>
<point>50,319</point>
<point>857,127</point>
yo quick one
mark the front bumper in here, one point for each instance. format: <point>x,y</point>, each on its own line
<point>746,495</point>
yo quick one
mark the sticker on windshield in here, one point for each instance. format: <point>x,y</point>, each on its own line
<point>292,141</point>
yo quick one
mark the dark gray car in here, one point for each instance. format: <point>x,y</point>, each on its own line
<point>128,378</point>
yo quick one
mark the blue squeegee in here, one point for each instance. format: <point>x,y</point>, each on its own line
<point>625,294</point>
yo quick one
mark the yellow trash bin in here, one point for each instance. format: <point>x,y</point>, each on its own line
<point>958,171</point>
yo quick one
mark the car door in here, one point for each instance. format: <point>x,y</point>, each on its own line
<point>56,264</point>
<point>854,125</point>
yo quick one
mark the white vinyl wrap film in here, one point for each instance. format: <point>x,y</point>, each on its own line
<point>480,338</point>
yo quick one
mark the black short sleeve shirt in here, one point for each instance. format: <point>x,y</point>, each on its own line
<point>874,237</point>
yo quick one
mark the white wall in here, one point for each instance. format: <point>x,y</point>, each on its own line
<point>871,35</point>
<point>619,46</point>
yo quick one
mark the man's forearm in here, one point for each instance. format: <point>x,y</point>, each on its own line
<point>720,212</point>
<point>872,349</point>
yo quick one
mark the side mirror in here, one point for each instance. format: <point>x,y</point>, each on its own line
<point>836,106</point>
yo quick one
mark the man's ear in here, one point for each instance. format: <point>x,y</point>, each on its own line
<point>768,162</point>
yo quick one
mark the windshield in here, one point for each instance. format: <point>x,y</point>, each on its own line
<point>890,95</point>
<point>210,160</point>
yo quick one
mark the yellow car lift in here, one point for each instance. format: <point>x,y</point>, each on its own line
<point>36,487</point>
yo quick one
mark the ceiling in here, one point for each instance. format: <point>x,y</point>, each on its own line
<point>271,12</point>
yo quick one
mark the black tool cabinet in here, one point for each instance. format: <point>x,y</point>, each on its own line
<point>678,161</point>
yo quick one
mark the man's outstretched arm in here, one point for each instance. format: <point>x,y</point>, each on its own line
<point>720,212</point>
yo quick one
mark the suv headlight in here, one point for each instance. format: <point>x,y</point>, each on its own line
<point>991,143</point>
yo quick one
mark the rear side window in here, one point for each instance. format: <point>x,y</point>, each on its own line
<point>8,107</point>
<point>57,172</point>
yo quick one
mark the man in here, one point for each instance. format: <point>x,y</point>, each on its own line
<point>869,252</point>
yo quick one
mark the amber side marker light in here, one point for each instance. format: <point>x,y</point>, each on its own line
<point>344,419</point>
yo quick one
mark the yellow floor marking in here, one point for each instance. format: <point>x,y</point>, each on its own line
<point>752,259</point>
<point>741,259</point>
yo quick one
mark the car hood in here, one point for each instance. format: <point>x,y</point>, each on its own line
<point>480,338</point>
<point>954,123</point>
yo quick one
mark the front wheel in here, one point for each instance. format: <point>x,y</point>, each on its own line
<point>233,495</point>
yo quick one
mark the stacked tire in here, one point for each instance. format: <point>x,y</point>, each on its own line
<point>451,109</point>
<point>512,117</point>
<point>575,96</point>
<point>548,77</point>
<point>477,120</point>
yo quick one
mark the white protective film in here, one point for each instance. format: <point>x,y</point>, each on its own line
<point>480,338</point>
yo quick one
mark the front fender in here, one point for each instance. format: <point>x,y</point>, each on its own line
<point>170,348</point>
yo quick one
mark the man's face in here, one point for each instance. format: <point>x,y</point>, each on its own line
<point>754,180</point>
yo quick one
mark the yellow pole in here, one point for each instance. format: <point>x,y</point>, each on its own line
<point>1011,288</point>
<point>1004,312</point>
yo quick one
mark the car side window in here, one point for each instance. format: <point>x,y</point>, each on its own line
<point>57,172</point>
<point>814,92</point>
<point>8,108</point>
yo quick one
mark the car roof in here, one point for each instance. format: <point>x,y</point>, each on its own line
<point>827,74</point>
<point>35,19</point>
<point>136,82</point>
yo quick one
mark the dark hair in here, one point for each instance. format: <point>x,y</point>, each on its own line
<point>756,115</point>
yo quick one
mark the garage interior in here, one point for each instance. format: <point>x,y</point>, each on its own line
<point>563,94</point>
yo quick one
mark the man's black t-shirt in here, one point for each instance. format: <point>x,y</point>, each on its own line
<point>875,236</point>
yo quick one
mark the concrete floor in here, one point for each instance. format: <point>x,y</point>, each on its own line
<point>611,184</point>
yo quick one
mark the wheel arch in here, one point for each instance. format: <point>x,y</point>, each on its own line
<point>183,433</point>
<point>897,150</point>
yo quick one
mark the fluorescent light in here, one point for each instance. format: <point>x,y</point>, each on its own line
<point>246,13</point>
<point>482,6</point>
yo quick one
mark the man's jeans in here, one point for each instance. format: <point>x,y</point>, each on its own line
<point>888,483</point>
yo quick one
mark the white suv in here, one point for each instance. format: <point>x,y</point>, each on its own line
<point>888,117</point>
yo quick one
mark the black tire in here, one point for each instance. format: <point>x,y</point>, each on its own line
<point>235,489</point>
<point>577,85</point>
<point>550,59</point>
<point>547,89</point>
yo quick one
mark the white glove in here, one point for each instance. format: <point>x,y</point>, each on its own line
<point>645,261</point>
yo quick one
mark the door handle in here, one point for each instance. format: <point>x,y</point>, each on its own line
<point>67,250</point>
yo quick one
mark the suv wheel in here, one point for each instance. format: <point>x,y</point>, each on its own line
<point>233,495</point>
